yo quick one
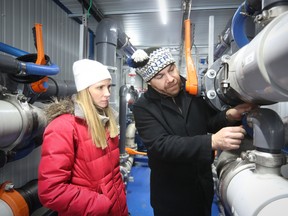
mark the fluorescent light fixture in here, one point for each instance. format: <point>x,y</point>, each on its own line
<point>163,11</point>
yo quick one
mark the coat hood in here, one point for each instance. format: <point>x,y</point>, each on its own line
<point>57,108</point>
<point>69,106</point>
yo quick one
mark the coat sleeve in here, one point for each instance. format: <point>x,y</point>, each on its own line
<point>54,174</point>
<point>165,145</point>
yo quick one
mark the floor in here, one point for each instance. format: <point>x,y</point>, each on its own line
<point>138,194</point>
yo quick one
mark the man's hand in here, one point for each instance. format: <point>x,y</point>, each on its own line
<point>236,113</point>
<point>228,138</point>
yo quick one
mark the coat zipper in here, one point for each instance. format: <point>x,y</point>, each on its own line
<point>180,110</point>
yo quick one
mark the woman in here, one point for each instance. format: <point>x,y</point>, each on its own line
<point>79,171</point>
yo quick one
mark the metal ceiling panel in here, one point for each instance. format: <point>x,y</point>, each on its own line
<point>140,20</point>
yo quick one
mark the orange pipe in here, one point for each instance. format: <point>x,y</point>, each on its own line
<point>192,80</point>
<point>134,152</point>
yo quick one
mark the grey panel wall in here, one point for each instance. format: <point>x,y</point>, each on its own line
<point>61,44</point>
<point>60,33</point>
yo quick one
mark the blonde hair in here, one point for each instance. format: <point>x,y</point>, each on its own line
<point>96,129</point>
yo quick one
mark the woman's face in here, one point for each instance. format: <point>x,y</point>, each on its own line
<point>100,93</point>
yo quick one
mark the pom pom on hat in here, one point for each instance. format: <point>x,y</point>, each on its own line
<point>88,72</point>
<point>139,59</point>
<point>148,66</point>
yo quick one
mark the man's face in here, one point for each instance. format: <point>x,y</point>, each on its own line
<point>167,81</point>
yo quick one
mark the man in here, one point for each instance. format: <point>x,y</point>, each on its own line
<point>180,132</point>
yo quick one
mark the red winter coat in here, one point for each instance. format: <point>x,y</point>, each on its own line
<point>77,178</point>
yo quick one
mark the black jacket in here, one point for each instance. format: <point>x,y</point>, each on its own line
<point>176,134</point>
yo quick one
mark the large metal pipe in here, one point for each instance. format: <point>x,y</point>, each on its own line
<point>256,73</point>
<point>25,122</point>
<point>266,190</point>
<point>263,193</point>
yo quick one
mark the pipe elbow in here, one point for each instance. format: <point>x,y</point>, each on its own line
<point>107,32</point>
<point>238,28</point>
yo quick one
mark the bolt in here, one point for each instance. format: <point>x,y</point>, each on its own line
<point>9,187</point>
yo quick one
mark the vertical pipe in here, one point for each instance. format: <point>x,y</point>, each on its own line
<point>122,117</point>
<point>211,42</point>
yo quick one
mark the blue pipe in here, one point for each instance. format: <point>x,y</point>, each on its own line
<point>35,69</point>
<point>238,28</point>
<point>12,50</point>
<point>31,68</point>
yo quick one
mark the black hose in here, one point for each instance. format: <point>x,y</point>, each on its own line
<point>30,193</point>
<point>9,64</point>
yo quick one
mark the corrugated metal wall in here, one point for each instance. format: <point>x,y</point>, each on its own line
<point>61,44</point>
<point>60,33</point>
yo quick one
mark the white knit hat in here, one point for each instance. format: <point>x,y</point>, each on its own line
<point>88,72</point>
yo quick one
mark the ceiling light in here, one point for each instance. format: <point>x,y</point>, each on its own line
<point>163,11</point>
